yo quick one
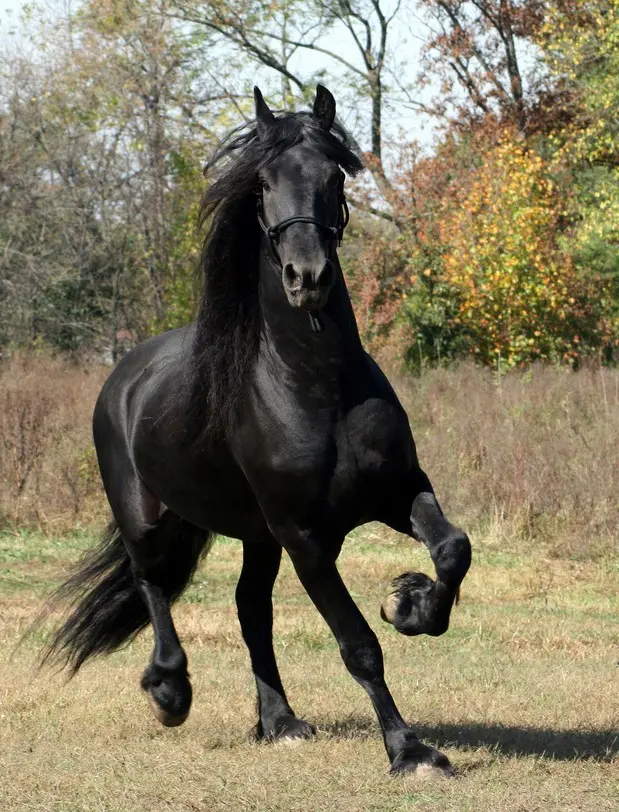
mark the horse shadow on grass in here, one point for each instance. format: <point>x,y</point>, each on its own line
<point>506,740</point>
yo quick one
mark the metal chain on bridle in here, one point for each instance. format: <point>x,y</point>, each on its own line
<point>336,232</point>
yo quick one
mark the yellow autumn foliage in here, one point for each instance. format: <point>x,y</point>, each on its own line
<point>518,296</point>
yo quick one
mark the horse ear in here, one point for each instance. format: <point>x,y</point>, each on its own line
<point>324,107</point>
<point>264,116</point>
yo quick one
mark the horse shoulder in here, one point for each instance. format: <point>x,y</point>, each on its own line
<point>380,437</point>
<point>378,428</point>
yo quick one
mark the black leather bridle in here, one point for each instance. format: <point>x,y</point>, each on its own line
<point>336,232</point>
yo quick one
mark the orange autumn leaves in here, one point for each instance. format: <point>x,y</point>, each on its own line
<point>513,294</point>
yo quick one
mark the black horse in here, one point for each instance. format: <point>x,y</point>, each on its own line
<point>268,422</point>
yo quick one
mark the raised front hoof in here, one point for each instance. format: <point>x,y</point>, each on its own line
<point>412,607</point>
<point>286,728</point>
<point>421,761</point>
<point>169,696</point>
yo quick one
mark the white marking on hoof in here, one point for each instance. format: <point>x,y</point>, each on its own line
<point>291,741</point>
<point>166,719</point>
<point>389,608</point>
<point>430,772</point>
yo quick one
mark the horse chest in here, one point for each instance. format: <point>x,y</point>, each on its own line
<point>343,468</point>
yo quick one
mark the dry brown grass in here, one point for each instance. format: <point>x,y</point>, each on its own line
<point>521,693</point>
<point>48,473</point>
<point>529,460</point>
<point>530,457</point>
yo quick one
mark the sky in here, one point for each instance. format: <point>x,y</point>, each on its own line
<point>9,14</point>
<point>400,123</point>
<point>8,6</point>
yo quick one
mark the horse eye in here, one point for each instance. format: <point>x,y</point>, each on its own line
<point>264,184</point>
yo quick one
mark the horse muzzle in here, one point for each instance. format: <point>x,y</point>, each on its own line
<point>310,300</point>
<point>308,288</point>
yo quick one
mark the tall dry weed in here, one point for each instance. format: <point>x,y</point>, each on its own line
<point>532,456</point>
<point>48,475</point>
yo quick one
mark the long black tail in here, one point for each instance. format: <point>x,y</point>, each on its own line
<point>105,607</point>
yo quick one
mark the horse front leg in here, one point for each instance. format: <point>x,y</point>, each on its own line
<point>419,605</point>
<point>276,719</point>
<point>363,657</point>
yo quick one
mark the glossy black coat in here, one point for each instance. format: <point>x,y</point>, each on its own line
<point>317,445</point>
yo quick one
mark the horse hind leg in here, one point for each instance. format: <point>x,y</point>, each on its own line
<point>417,604</point>
<point>163,560</point>
<point>142,565</point>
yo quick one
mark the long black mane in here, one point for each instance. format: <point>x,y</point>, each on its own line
<point>229,319</point>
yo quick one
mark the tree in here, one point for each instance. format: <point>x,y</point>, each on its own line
<point>154,102</point>
<point>105,138</point>
<point>581,43</point>
<point>518,294</point>
<point>478,242</point>
<point>275,34</point>
<point>478,46</point>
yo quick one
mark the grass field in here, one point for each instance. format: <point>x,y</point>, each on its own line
<point>521,693</point>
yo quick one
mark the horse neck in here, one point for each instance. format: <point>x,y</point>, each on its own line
<point>300,357</point>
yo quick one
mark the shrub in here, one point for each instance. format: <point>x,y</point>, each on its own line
<point>525,458</point>
<point>518,296</point>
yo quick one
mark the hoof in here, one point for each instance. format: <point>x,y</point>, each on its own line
<point>286,729</point>
<point>422,761</point>
<point>169,696</point>
<point>166,718</point>
<point>410,607</point>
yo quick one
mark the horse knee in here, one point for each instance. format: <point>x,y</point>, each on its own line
<point>363,659</point>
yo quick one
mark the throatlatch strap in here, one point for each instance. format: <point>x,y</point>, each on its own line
<point>315,323</point>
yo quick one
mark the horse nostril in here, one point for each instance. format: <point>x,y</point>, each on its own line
<point>292,279</point>
<point>326,276</point>
<point>307,278</point>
